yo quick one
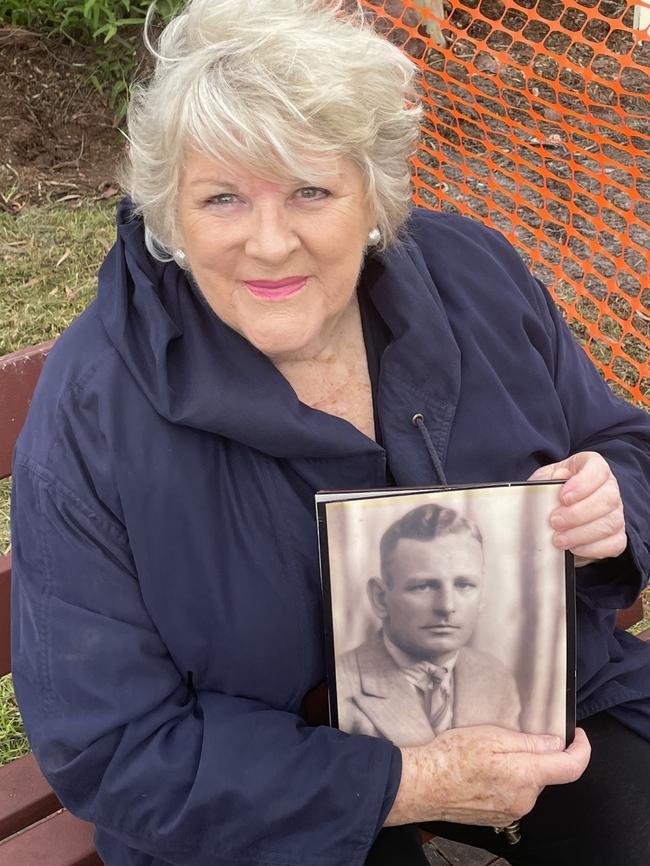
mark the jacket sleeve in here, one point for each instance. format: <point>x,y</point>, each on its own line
<point>189,777</point>
<point>595,419</point>
<point>599,421</point>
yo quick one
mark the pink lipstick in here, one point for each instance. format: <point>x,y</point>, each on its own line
<point>275,290</point>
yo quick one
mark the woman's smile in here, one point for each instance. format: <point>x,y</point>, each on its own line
<point>236,225</point>
<point>275,290</point>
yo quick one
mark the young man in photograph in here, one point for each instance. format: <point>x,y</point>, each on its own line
<point>417,676</point>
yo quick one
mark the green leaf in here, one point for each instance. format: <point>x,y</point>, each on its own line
<point>118,87</point>
<point>120,113</point>
<point>95,83</point>
<point>110,29</point>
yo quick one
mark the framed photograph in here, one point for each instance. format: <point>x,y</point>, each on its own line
<point>447,607</point>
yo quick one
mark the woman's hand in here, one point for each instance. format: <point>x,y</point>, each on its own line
<point>483,775</point>
<point>589,520</point>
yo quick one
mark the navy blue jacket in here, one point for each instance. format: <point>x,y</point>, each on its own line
<point>167,605</point>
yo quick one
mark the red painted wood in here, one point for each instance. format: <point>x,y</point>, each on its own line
<point>25,796</point>
<point>60,840</point>
<point>631,615</point>
<point>19,373</point>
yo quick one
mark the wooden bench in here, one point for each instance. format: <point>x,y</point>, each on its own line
<point>34,829</point>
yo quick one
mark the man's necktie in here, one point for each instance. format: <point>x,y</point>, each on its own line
<point>430,679</point>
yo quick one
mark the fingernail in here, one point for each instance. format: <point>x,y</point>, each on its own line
<point>560,540</point>
<point>557,522</point>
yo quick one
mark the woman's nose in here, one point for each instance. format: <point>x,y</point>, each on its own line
<point>272,238</point>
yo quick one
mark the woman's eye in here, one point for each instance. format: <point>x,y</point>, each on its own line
<point>309,193</point>
<point>223,198</point>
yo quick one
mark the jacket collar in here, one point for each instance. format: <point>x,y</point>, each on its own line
<point>197,371</point>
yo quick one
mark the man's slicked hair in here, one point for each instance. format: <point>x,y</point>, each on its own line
<point>424,523</point>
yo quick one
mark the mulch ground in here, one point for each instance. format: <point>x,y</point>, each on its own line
<point>57,138</point>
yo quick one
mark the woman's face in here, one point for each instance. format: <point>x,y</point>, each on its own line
<point>277,261</point>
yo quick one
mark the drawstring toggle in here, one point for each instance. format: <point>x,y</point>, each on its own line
<point>418,421</point>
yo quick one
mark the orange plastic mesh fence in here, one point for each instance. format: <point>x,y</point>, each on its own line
<point>537,122</point>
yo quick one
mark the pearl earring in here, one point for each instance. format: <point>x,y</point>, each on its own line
<point>180,256</point>
<point>374,236</point>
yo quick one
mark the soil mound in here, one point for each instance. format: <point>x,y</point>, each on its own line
<point>57,137</point>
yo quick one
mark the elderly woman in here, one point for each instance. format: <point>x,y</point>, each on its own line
<point>272,320</point>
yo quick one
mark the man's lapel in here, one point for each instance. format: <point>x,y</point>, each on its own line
<point>388,699</point>
<point>469,691</point>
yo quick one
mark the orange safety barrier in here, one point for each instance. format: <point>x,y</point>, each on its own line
<point>537,122</point>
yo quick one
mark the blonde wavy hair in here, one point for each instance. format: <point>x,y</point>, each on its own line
<point>284,87</point>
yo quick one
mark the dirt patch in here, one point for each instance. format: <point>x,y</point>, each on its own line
<point>57,138</point>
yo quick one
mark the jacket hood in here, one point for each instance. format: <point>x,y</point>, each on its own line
<point>197,371</point>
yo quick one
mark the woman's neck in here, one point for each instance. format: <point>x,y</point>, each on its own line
<point>328,346</point>
<point>335,378</point>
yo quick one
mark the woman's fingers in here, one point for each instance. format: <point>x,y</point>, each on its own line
<point>551,472</point>
<point>560,768</point>
<point>556,766</point>
<point>583,472</point>
<point>483,775</point>
<point>589,521</point>
<point>606,549</point>
<point>588,473</point>
<point>603,501</point>
<point>607,534</point>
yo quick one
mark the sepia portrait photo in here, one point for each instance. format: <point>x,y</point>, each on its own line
<point>448,608</point>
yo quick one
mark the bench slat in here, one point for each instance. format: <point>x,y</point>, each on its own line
<point>631,615</point>
<point>60,840</point>
<point>25,796</point>
<point>19,373</point>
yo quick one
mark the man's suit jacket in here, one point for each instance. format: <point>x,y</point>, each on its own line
<point>375,698</point>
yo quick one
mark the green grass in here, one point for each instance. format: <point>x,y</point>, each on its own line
<point>49,258</point>
<point>645,622</point>
<point>5,487</point>
<point>13,743</point>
